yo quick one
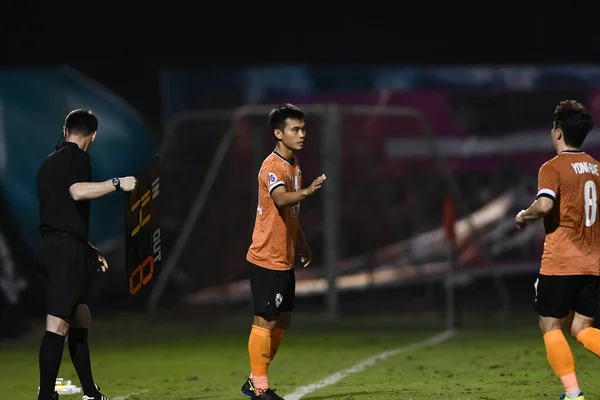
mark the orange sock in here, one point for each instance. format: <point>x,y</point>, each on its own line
<point>561,359</point>
<point>590,339</point>
<point>276,337</point>
<point>259,349</point>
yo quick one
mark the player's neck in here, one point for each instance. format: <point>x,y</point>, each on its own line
<point>284,151</point>
<point>561,148</point>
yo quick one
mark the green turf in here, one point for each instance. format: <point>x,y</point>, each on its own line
<point>210,362</point>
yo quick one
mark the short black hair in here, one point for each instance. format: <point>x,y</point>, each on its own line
<point>574,120</point>
<point>279,115</point>
<point>81,122</point>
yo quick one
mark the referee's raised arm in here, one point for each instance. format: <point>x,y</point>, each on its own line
<point>92,190</point>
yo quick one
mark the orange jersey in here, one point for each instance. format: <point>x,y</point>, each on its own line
<point>572,245</point>
<point>276,231</point>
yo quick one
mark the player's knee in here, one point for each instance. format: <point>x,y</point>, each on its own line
<point>265,322</point>
<point>284,321</point>
<point>284,324</point>
<point>580,323</point>
<point>548,324</point>
<point>574,331</point>
<point>83,317</point>
<point>57,325</point>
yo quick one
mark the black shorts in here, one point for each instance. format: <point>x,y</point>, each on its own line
<point>64,265</point>
<point>273,291</point>
<point>555,296</point>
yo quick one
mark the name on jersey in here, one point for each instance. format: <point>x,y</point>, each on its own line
<point>585,167</point>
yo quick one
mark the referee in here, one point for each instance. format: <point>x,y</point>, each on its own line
<point>66,260</point>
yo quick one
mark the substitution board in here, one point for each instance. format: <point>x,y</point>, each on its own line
<point>142,232</point>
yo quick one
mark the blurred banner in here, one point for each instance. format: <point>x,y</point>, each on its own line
<point>224,88</point>
<point>33,106</point>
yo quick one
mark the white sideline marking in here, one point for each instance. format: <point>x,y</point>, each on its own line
<point>129,395</point>
<point>369,362</point>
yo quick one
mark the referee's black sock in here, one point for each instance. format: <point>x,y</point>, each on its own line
<point>51,352</point>
<point>80,355</point>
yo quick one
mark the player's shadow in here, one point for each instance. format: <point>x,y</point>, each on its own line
<point>350,395</point>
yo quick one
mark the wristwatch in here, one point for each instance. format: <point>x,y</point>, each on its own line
<point>116,183</point>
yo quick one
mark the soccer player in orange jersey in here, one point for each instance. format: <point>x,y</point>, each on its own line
<point>272,254</point>
<point>568,282</point>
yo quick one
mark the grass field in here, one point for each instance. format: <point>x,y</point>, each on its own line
<point>202,361</point>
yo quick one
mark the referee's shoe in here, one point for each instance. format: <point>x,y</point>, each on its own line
<point>98,396</point>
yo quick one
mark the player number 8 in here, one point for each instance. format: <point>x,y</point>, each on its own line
<point>590,196</point>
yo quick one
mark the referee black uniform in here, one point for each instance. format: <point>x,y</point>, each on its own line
<point>65,259</point>
<point>64,227</point>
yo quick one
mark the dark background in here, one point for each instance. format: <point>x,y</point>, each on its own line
<point>124,45</point>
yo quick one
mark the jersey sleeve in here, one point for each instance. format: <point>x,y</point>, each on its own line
<point>271,177</point>
<point>80,170</point>
<point>547,181</point>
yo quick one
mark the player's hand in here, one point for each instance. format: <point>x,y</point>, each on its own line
<point>103,263</point>
<point>128,183</point>
<point>520,221</point>
<point>316,185</point>
<point>305,254</point>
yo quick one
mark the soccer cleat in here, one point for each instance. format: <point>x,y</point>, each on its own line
<point>98,396</point>
<point>565,397</point>
<point>268,394</point>
<point>248,388</point>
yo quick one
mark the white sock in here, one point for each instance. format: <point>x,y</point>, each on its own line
<point>574,394</point>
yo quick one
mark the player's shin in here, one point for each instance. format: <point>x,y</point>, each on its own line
<point>590,339</point>
<point>561,359</point>
<point>276,337</point>
<point>259,349</point>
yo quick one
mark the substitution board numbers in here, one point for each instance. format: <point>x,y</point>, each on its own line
<point>142,230</point>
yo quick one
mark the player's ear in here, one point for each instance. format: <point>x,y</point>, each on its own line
<point>94,136</point>
<point>559,134</point>
<point>278,134</point>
